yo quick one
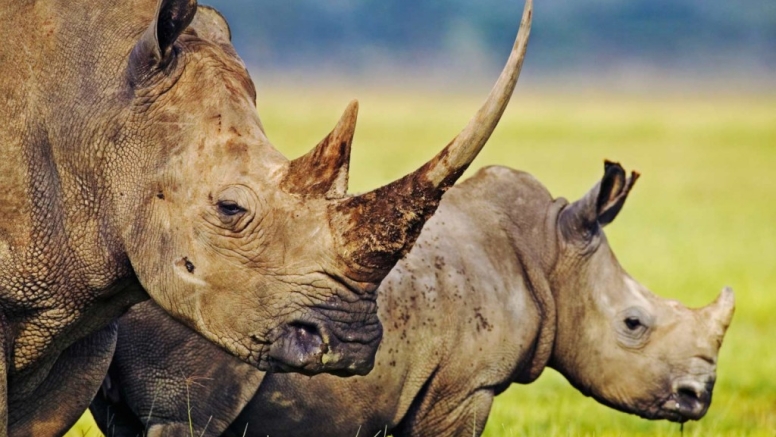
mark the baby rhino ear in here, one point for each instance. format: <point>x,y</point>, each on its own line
<point>614,189</point>
<point>601,204</point>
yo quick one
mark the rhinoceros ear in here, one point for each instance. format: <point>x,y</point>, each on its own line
<point>614,189</point>
<point>154,50</point>
<point>211,25</point>
<point>601,204</point>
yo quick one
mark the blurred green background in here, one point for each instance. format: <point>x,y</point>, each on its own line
<point>702,216</point>
<point>448,38</point>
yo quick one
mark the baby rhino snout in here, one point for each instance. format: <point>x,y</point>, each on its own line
<point>690,399</point>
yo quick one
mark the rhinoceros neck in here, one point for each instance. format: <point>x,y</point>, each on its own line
<point>532,215</point>
<point>526,248</point>
<point>60,250</point>
<point>534,242</point>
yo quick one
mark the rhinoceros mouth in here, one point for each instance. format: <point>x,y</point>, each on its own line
<point>682,403</point>
<point>331,340</point>
<point>686,403</point>
<point>300,347</point>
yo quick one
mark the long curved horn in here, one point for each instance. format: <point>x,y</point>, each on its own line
<point>324,170</point>
<point>382,225</point>
<point>457,156</point>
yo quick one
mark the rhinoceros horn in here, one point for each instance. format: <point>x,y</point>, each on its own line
<point>721,311</point>
<point>324,170</point>
<point>377,228</point>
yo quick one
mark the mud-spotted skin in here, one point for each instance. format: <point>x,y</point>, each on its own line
<point>503,281</point>
<point>135,166</point>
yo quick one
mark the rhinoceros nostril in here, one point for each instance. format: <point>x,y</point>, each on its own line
<point>688,393</point>
<point>309,334</point>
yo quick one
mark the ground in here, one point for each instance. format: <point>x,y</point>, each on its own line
<point>702,216</point>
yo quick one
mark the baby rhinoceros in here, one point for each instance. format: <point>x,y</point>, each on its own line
<point>503,281</point>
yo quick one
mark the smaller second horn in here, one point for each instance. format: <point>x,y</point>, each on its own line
<point>324,170</point>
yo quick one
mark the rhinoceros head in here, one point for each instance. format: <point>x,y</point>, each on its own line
<point>615,340</point>
<point>269,258</point>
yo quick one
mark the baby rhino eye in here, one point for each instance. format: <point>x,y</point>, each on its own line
<point>633,327</point>
<point>633,323</point>
<point>229,208</point>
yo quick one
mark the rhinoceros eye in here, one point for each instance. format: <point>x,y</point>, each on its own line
<point>229,208</point>
<point>633,323</point>
<point>633,327</point>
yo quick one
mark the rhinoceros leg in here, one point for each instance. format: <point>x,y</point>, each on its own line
<point>447,415</point>
<point>112,415</point>
<point>164,385</point>
<point>64,395</point>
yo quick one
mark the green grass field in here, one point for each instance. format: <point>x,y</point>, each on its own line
<point>702,216</point>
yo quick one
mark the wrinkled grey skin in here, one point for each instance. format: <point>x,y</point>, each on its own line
<point>135,165</point>
<point>502,282</point>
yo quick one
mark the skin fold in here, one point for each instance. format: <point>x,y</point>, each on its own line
<point>503,282</point>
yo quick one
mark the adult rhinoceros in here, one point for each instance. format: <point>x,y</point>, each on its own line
<point>134,164</point>
<point>502,282</point>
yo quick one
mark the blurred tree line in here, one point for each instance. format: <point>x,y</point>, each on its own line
<point>567,33</point>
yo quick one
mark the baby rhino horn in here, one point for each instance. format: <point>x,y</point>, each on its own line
<point>721,310</point>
